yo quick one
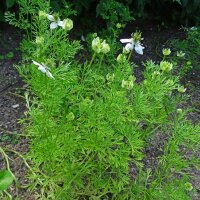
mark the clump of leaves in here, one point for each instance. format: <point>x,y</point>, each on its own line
<point>187,51</point>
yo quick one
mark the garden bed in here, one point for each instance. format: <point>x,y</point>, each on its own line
<point>12,104</point>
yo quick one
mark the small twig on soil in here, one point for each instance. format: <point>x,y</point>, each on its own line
<point>7,163</point>
<point>17,95</point>
<point>12,132</point>
<point>24,160</point>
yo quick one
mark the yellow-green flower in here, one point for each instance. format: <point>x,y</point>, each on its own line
<point>96,45</point>
<point>166,52</point>
<point>66,24</point>
<point>166,66</point>
<point>181,89</point>
<point>121,58</point>
<point>100,47</point>
<point>118,25</point>
<point>155,73</point>
<point>188,186</point>
<point>170,82</point>
<point>70,116</point>
<point>128,84</point>
<point>42,14</point>
<point>39,40</point>
<point>105,47</point>
<point>137,36</point>
<point>179,110</point>
<point>110,77</point>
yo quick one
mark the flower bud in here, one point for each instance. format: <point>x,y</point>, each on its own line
<point>124,83</point>
<point>105,47</point>
<point>110,77</point>
<point>67,24</point>
<point>188,186</point>
<point>118,25</point>
<point>155,73</point>
<point>39,40</point>
<point>70,116</point>
<point>179,110</point>
<point>129,83</point>
<point>94,35</point>
<point>96,45</point>
<point>166,52</point>
<point>170,82</point>
<point>137,36</point>
<point>181,89</point>
<point>166,66</point>
<point>121,58</point>
<point>42,14</point>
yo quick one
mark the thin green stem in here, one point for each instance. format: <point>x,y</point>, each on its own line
<point>7,163</point>
<point>129,56</point>
<point>9,196</point>
<point>87,67</point>
<point>100,63</point>
<point>24,160</point>
<point>93,57</point>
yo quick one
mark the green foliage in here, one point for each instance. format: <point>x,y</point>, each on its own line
<point>5,5</point>
<point>89,121</point>
<point>121,12</point>
<point>10,3</point>
<point>190,48</point>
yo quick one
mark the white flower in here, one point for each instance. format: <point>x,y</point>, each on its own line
<point>44,69</point>
<point>55,21</point>
<point>131,44</point>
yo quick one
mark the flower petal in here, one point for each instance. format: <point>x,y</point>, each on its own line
<point>129,47</point>
<point>36,63</point>
<point>42,69</point>
<point>139,48</point>
<point>60,23</point>
<point>51,18</point>
<point>46,67</point>
<point>49,74</point>
<point>82,38</point>
<point>53,25</point>
<point>130,40</point>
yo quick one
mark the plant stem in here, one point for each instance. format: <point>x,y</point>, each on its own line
<point>129,56</point>
<point>86,69</point>
<point>7,163</point>
<point>101,59</point>
<point>94,55</point>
